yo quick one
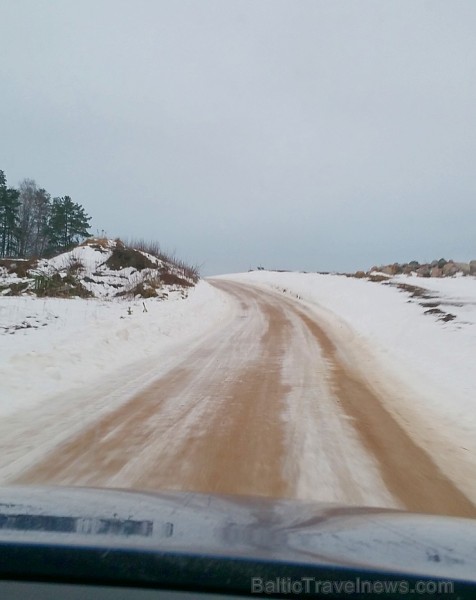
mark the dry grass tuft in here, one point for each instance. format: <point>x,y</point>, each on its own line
<point>19,267</point>
<point>150,247</point>
<point>168,278</point>
<point>123,257</point>
<point>96,242</point>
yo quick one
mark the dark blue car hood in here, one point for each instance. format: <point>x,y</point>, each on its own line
<point>101,524</point>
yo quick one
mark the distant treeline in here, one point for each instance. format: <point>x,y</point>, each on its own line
<point>32,224</point>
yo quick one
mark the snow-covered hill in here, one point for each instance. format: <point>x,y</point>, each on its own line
<point>102,311</point>
<point>99,268</point>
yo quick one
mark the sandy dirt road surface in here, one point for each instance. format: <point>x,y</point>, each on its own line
<point>263,407</point>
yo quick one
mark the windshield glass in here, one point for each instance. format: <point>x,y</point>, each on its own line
<point>237,249</point>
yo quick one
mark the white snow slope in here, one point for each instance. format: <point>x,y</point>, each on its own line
<point>50,346</point>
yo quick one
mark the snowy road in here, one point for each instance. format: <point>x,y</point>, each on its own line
<point>264,406</point>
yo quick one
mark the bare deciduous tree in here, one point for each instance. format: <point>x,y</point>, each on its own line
<point>33,219</point>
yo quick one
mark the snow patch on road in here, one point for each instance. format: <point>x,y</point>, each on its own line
<point>331,462</point>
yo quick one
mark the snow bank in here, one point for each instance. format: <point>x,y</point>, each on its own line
<point>51,346</point>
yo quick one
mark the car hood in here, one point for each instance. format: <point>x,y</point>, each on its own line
<point>238,528</point>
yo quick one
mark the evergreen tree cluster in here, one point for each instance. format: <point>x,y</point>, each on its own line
<point>32,224</point>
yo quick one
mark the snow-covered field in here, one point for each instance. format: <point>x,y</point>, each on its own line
<point>49,346</point>
<point>120,314</point>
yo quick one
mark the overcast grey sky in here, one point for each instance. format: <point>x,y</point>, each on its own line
<point>295,134</point>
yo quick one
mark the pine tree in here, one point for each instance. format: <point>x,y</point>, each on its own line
<point>68,223</point>
<point>9,207</point>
